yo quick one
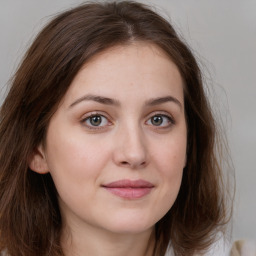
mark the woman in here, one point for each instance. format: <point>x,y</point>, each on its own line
<point>108,141</point>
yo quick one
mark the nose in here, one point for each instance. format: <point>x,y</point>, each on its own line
<point>130,148</point>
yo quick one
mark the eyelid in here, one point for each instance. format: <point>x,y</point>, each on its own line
<point>92,114</point>
<point>164,114</point>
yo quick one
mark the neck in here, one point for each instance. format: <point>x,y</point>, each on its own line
<point>88,242</point>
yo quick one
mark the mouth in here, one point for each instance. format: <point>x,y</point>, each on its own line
<point>129,189</point>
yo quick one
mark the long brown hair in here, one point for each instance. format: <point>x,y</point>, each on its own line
<point>30,220</point>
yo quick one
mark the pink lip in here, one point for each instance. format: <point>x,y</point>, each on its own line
<point>129,189</point>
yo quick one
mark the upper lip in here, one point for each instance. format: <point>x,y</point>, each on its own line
<point>126,183</point>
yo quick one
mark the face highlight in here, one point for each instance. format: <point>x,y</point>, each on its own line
<point>116,146</point>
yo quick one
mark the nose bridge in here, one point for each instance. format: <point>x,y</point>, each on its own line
<point>131,150</point>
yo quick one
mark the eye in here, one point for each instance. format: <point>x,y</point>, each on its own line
<point>96,121</point>
<point>160,120</point>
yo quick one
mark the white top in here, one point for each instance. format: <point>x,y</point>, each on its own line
<point>220,248</point>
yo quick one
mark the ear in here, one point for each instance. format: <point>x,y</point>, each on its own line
<point>37,161</point>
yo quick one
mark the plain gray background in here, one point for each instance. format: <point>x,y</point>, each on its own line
<point>223,36</point>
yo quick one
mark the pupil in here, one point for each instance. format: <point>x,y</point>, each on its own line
<point>157,120</point>
<point>96,120</point>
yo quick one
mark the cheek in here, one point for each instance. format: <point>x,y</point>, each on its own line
<point>170,155</point>
<point>75,166</point>
<point>171,170</point>
<point>169,159</point>
<point>74,153</point>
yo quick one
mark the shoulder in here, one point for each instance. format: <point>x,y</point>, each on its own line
<point>243,248</point>
<point>221,248</point>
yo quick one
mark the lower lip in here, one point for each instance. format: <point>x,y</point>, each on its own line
<point>129,193</point>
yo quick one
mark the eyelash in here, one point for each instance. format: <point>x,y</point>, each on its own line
<point>167,118</point>
<point>89,118</point>
<point>95,127</point>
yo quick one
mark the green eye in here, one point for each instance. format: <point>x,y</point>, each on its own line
<point>157,120</point>
<point>160,120</point>
<point>96,121</point>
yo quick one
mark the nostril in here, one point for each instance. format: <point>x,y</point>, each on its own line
<point>124,163</point>
<point>133,165</point>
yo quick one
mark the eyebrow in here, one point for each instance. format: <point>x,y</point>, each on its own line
<point>96,98</point>
<point>109,101</point>
<point>161,100</point>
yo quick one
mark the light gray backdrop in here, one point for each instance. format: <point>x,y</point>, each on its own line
<point>223,35</point>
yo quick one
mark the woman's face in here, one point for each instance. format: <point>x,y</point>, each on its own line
<point>116,146</point>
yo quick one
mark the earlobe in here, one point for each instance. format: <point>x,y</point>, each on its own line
<point>37,161</point>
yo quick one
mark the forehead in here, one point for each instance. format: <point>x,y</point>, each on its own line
<point>128,69</point>
<point>121,54</point>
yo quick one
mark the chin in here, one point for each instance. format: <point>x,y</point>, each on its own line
<point>131,224</point>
